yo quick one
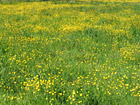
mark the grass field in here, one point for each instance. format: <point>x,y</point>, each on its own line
<point>79,53</point>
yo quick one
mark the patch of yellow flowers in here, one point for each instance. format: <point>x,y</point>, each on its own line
<point>39,55</point>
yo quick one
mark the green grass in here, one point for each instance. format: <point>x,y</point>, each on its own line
<point>80,53</point>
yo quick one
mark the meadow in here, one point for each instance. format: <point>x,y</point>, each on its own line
<point>70,53</point>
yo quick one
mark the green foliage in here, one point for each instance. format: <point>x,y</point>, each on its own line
<point>77,53</point>
<point>12,1</point>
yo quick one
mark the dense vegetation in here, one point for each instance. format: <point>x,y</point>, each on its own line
<point>13,1</point>
<point>80,53</point>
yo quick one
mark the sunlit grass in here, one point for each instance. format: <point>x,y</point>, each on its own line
<point>70,53</point>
